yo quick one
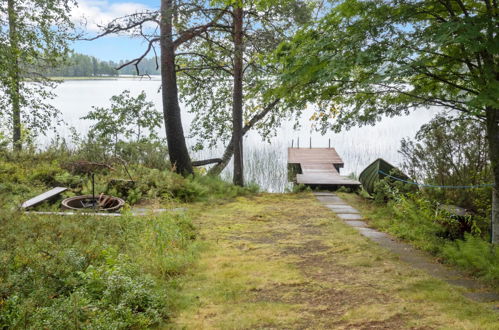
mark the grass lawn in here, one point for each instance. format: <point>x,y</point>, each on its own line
<point>286,261</point>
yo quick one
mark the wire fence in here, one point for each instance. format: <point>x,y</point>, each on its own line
<point>437,186</point>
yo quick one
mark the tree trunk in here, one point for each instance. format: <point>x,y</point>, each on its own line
<point>177,148</point>
<point>493,139</point>
<point>14,77</point>
<point>237,106</point>
<point>229,151</point>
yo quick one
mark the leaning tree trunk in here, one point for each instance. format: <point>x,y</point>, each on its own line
<point>237,106</point>
<point>14,90</point>
<point>177,148</point>
<point>493,139</point>
<point>229,151</point>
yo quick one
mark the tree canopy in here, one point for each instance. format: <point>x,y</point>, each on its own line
<point>374,58</point>
<point>371,58</point>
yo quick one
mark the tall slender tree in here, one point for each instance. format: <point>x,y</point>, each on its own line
<point>237,93</point>
<point>14,76</point>
<point>34,35</point>
<point>179,155</point>
<point>210,67</point>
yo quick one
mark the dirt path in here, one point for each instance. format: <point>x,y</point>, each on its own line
<point>286,261</point>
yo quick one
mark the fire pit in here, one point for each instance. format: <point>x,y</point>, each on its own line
<point>89,202</point>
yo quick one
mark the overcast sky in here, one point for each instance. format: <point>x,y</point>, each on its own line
<point>102,11</point>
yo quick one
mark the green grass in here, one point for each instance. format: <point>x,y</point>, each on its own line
<point>91,272</point>
<point>63,272</point>
<point>415,221</point>
<point>284,261</point>
<point>25,176</point>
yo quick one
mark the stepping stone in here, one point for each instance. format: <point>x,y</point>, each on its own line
<point>343,209</point>
<point>331,200</point>
<point>349,216</point>
<point>371,233</point>
<point>356,223</point>
<point>406,253</point>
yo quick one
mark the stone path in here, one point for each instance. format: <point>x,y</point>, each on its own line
<point>406,252</point>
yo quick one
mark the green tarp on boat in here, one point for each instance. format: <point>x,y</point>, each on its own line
<point>372,174</point>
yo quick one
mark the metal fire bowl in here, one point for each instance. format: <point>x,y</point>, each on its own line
<point>87,202</point>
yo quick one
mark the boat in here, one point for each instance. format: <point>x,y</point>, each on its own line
<point>377,171</point>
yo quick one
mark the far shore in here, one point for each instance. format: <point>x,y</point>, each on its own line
<point>102,77</point>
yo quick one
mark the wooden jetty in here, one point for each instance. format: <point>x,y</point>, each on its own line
<point>317,167</point>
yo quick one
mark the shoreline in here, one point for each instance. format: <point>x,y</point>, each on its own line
<point>90,78</point>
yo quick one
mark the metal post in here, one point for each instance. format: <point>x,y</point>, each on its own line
<point>298,143</point>
<point>329,143</point>
<point>310,142</point>
<point>93,191</point>
<point>292,143</point>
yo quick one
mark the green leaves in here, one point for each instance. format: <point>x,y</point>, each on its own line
<point>127,119</point>
<point>377,57</point>
<point>34,35</point>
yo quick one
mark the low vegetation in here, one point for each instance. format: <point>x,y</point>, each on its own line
<point>91,272</point>
<point>25,176</point>
<point>464,242</point>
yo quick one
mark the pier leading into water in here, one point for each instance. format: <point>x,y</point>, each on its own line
<point>318,167</point>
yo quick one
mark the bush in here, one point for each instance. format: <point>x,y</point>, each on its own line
<point>459,241</point>
<point>475,255</point>
<point>451,151</point>
<point>90,272</point>
<point>25,176</point>
<point>388,189</point>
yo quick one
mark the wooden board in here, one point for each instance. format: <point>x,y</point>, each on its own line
<point>323,174</point>
<point>319,167</point>
<point>43,197</point>
<point>314,156</point>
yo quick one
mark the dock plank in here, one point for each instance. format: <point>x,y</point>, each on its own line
<point>319,167</point>
<point>314,156</point>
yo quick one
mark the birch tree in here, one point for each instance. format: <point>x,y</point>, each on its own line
<point>34,35</point>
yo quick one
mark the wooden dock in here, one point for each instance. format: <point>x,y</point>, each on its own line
<point>318,167</point>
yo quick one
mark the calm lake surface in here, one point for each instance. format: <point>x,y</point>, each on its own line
<point>265,164</point>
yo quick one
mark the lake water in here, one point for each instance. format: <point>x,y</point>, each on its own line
<point>265,164</point>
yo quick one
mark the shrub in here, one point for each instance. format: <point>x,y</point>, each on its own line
<point>475,255</point>
<point>459,241</point>
<point>451,151</point>
<point>25,176</point>
<point>388,189</point>
<point>90,272</point>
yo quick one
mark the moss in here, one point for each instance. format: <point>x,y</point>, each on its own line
<point>285,261</point>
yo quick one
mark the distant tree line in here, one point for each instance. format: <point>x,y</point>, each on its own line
<point>80,65</point>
